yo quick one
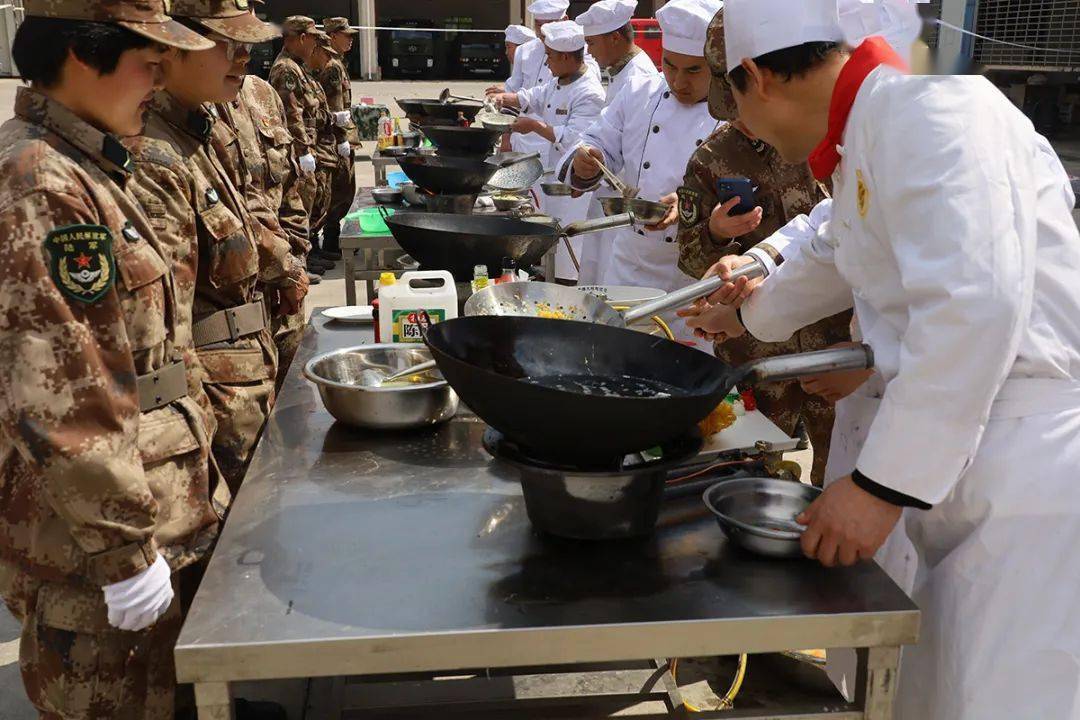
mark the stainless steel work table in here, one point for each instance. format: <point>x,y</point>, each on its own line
<point>353,553</point>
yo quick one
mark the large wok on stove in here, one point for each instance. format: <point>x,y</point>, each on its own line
<point>447,175</point>
<point>458,243</point>
<point>414,106</point>
<point>455,141</point>
<point>583,393</point>
<point>449,111</point>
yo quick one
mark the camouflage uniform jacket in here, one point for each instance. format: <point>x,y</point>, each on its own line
<point>91,488</point>
<point>304,109</point>
<point>327,135</point>
<point>251,141</point>
<point>338,88</point>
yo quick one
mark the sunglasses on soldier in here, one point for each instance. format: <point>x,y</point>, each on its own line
<point>232,47</point>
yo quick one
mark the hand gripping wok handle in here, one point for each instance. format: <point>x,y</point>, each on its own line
<point>790,367</point>
<point>690,293</point>
<point>605,223</point>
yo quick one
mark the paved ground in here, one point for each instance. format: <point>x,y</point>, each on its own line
<point>13,705</point>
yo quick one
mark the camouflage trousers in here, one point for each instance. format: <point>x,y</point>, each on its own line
<point>323,189</point>
<point>785,403</point>
<point>342,195</point>
<point>308,190</point>
<point>75,666</point>
<point>239,382</point>
<point>287,331</point>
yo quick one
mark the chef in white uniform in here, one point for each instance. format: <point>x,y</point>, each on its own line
<point>516,36</point>
<point>530,65</point>
<point>647,136</point>
<point>952,237</point>
<point>566,105</point>
<point>610,39</point>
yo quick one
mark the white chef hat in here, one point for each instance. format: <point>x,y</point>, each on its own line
<point>897,21</point>
<point>564,36</point>
<point>606,16</point>
<point>549,9</point>
<point>753,28</point>
<point>519,34</point>
<point>685,23</point>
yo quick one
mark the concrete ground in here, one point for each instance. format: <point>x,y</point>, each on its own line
<point>13,705</point>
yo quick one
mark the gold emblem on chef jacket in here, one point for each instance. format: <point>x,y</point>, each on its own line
<point>862,194</point>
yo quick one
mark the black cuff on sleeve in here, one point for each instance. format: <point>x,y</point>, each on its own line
<point>887,494</point>
<point>738,314</point>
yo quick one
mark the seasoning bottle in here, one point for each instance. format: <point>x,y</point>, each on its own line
<point>399,138</point>
<point>480,278</point>
<point>386,279</point>
<point>509,271</point>
<point>749,401</point>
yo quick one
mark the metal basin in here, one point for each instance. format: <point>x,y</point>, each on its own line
<point>351,392</point>
<point>758,514</point>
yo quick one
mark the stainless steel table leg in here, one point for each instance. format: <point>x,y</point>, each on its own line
<point>350,276</point>
<point>879,674</point>
<point>213,701</point>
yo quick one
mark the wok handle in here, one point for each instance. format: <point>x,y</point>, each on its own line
<point>790,367</point>
<point>690,293</point>
<point>605,223</point>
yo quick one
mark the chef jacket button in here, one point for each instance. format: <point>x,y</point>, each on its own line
<point>656,128</point>
<point>667,239</point>
<point>667,95</point>
<point>647,165</point>
<point>697,142</point>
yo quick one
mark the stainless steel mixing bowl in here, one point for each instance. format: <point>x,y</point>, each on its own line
<point>759,513</point>
<point>351,392</point>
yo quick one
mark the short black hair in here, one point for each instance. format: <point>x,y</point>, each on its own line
<point>789,62</point>
<point>627,31</point>
<point>41,46</point>
<point>579,55</point>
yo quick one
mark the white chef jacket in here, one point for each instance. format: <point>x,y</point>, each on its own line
<point>530,70</point>
<point>641,65</point>
<point>596,251</point>
<point>647,137</point>
<point>952,236</point>
<point>569,109</point>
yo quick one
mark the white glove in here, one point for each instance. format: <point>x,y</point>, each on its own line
<point>344,149</point>
<point>343,118</point>
<point>137,603</point>
<point>307,164</point>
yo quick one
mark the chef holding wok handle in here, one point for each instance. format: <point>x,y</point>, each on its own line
<point>951,235</point>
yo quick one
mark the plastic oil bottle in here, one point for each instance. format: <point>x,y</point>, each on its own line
<point>419,297</point>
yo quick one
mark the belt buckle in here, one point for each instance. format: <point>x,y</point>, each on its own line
<point>230,322</point>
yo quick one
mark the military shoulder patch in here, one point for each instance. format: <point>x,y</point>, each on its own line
<point>81,261</point>
<point>689,206</point>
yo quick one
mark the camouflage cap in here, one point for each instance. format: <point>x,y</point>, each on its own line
<point>144,17</point>
<point>721,101</point>
<point>298,25</point>
<point>338,24</point>
<point>322,40</point>
<point>231,18</point>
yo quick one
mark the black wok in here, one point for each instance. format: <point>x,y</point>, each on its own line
<point>458,243</point>
<point>497,364</point>
<point>450,110</point>
<point>447,175</point>
<point>455,141</point>
<point>415,106</point>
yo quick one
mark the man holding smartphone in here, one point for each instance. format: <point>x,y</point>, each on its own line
<point>709,229</point>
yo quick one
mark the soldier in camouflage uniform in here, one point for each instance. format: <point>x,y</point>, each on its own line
<point>338,87</point>
<point>257,150</point>
<point>304,114</point>
<point>332,150</point>
<point>784,192</point>
<point>188,194</point>
<point>107,500</point>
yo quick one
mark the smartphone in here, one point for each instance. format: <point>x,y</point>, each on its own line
<point>740,187</point>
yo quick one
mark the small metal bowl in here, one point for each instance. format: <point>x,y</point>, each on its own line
<point>645,211</point>
<point>352,393</point>
<point>758,514</point>
<point>507,202</point>
<point>413,195</point>
<point>386,195</point>
<point>556,189</point>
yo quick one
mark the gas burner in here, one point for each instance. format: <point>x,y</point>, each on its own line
<point>458,204</point>
<point>619,501</point>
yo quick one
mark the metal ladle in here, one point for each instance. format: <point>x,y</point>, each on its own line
<point>373,378</point>
<point>446,95</point>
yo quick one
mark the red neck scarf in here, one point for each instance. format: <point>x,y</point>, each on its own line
<point>864,60</point>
